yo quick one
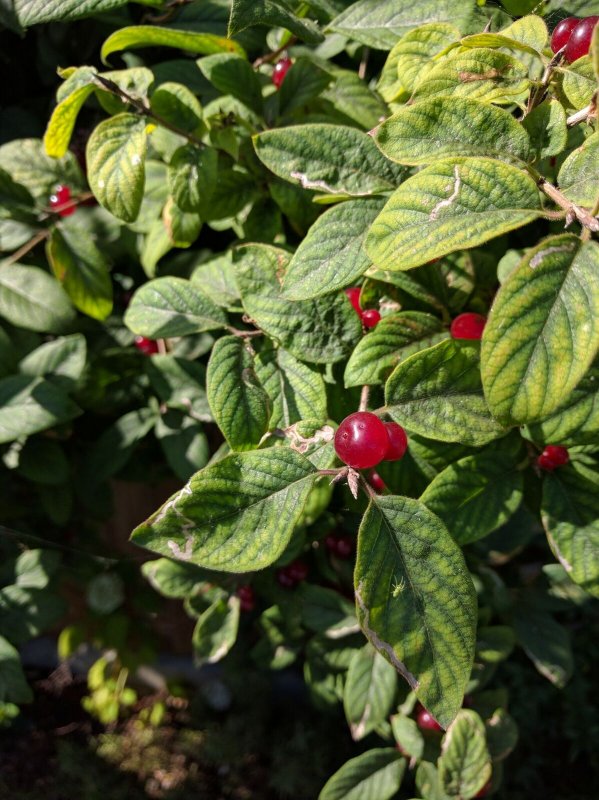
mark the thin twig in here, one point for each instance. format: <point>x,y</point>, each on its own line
<point>573,211</point>
<point>275,54</point>
<point>539,90</point>
<point>169,11</point>
<point>364,63</point>
<point>584,115</point>
<point>365,394</point>
<point>243,334</point>
<point>33,242</point>
<point>144,109</point>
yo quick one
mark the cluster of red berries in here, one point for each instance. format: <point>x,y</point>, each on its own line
<point>247,597</point>
<point>281,69</point>
<point>340,545</point>
<point>363,440</point>
<point>575,35</point>
<point>468,326</point>
<point>60,199</point>
<point>370,317</point>
<point>288,577</point>
<point>552,457</point>
<point>146,346</point>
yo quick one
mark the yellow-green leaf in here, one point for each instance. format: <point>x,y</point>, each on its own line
<point>152,36</point>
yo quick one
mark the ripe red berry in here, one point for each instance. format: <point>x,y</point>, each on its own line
<point>562,31</point>
<point>371,318</point>
<point>353,295</point>
<point>298,570</point>
<point>580,39</point>
<point>281,69</point>
<point>340,545</point>
<point>147,346</point>
<point>468,326</point>
<point>361,440</point>
<point>62,195</point>
<point>398,441</point>
<point>553,456</point>
<point>377,483</point>
<point>247,598</point>
<point>284,579</point>
<point>426,721</point>
<point>485,790</point>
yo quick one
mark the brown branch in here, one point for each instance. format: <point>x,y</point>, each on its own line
<point>275,54</point>
<point>539,90</point>
<point>585,114</point>
<point>573,211</point>
<point>33,242</point>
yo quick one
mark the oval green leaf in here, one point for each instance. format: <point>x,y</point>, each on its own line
<point>369,691</point>
<point>464,764</point>
<point>373,775</point>
<point>32,299</point>
<point>154,36</point>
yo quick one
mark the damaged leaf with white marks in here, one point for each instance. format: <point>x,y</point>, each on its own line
<point>416,602</point>
<point>454,204</point>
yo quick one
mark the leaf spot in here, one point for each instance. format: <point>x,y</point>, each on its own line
<point>448,201</point>
<point>538,258</point>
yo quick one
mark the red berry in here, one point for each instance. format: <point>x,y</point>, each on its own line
<point>247,598</point>
<point>485,790</point>
<point>562,31</point>
<point>426,721</point>
<point>353,294</point>
<point>468,326</point>
<point>281,69</point>
<point>553,456</point>
<point>371,318</point>
<point>398,441</point>
<point>580,39</point>
<point>377,483</point>
<point>340,545</point>
<point>361,440</point>
<point>284,579</point>
<point>298,570</point>
<point>147,346</point>
<point>62,195</point>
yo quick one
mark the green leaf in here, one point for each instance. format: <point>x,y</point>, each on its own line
<point>172,306</point>
<point>396,337</point>
<point>25,613</point>
<point>116,154</point>
<point>237,514</point>
<point>410,741</point>
<point>331,255</point>
<point>579,82</point>
<point>546,126</point>
<point>216,631</point>
<point>428,782</point>
<point>496,40</point>
<point>13,686</point>
<point>502,734</point>
<point>62,360</point>
<point>475,495</point>
<point>183,443</point>
<point>234,190</point>
<point>15,199</point>
<point>326,611</point>
<point>134,81</point>
<point>112,449</point>
<point>233,75</point>
<point>216,278</point>
<point>31,299</point>
<point>482,74</point>
<point>438,393</point>
<point>60,126</point>
<point>546,643</point>
<point>494,643</point>
<point>577,420</point>
<point>81,268</point>
<point>239,403</point>
<point>318,331</point>
<point>296,390</point>
<point>353,98</point>
<point>453,204</point>
<point>173,579</point>
<point>29,405</point>
<point>333,159</point>
<point>380,23</point>
<point>192,174</point>
<point>530,30</point>
<point>578,178</point>
<point>153,36</point>
<point>543,330</point>
<point>105,593</point>
<point>411,57</point>
<point>273,13</point>
<point>458,126</point>
<point>464,764</point>
<point>179,383</point>
<point>177,105</point>
<point>416,602</point>
<point>570,515</point>
<point>301,85</point>
<point>26,162</point>
<point>183,228</point>
<point>369,691</point>
<point>43,461</point>
<point>34,568</point>
<point>373,775</point>
<point>34,12</point>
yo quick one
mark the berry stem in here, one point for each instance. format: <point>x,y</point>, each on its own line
<point>145,110</point>
<point>269,57</point>
<point>365,394</point>
<point>33,242</point>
